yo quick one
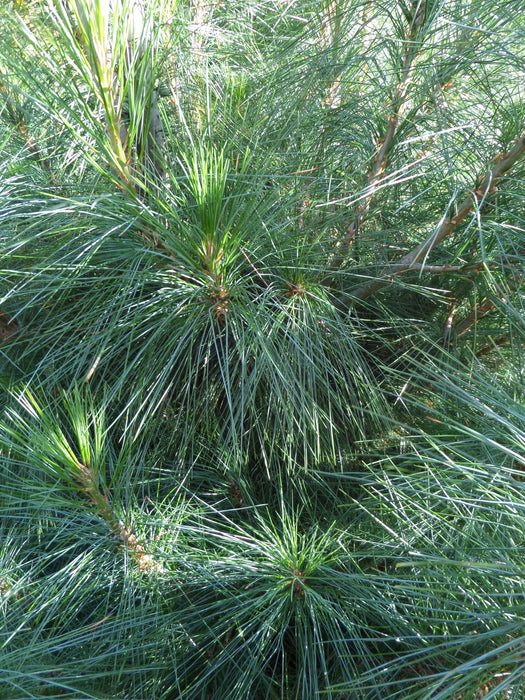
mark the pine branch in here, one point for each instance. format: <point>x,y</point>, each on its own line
<point>396,106</point>
<point>440,269</point>
<point>494,344</point>
<point>487,306</point>
<point>474,200</point>
<point>87,478</point>
<point>475,315</point>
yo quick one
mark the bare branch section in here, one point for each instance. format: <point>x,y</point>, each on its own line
<point>487,306</point>
<point>396,107</point>
<point>415,260</point>
<point>442,269</point>
<point>473,317</point>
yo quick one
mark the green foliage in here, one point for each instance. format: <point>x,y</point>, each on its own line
<point>261,349</point>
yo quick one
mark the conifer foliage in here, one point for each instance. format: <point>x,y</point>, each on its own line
<point>262,428</point>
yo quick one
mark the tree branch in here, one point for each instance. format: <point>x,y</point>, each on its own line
<point>440,269</point>
<point>396,105</point>
<point>502,163</point>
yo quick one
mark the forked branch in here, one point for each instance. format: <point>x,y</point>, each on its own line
<point>416,259</point>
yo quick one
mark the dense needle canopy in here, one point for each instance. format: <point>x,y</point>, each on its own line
<point>262,425</point>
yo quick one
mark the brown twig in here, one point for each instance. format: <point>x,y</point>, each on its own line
<point>486,306</point>
<point>475,315</point>
<point>495,343</point>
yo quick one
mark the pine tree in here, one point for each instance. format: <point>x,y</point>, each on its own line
<point>261,336</point>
